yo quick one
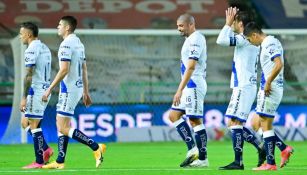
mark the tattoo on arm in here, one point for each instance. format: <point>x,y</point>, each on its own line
<point>27,81</point>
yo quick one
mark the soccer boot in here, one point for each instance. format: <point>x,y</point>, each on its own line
<point>285,156</point>
<point>98,154</point>
<point>33,165</point>
<point>54,165</point>
<point>261,157</point>
<point>192,155</point>
<point>232,166</point>
<point>199,163</point>
<point>266,167</point>
<point>47,154</point>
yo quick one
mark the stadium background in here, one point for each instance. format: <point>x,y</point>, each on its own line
<point>134,72</point>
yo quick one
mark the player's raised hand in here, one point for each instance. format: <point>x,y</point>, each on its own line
<point>177,96</point>
<point>87,99</point>
<point>46,95</point>
<point>230,15</point>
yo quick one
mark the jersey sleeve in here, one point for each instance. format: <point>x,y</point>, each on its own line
<point>65,52</point>
<point>196,47</point>
<point>273,51</point>
<point>228,38</point>
<point>31,55</point>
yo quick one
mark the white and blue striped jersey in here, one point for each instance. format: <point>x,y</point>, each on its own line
<point>195,48</point>
<point>72,49</point>
<point>270,49</point>
<point>38,55</point>
<point>244,66</point>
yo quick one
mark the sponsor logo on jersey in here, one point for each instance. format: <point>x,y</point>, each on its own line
<point>66,47</point>
<point>79,83</point>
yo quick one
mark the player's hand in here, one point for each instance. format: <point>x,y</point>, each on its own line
<point>87,99</point>
<point>46,95</point>
<point>267,89</point>
<point>230,15</point>
<point>176,100</point>
<point>23,104</point>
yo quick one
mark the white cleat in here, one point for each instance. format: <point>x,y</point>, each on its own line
<point>199,163</point>
<point>192,155</point>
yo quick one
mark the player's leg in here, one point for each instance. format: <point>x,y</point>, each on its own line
<point>236,128</point>
<point>195,112</point>
<point>266,108</point>
<point>201,142</point>
<point>184,130</point>
<point>286,150</point>
<point>34,114</point>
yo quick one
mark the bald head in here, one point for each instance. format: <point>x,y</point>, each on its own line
<point>186,24</point>
<point>186,18</point>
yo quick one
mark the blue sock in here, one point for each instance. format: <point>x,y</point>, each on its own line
<point>45,145</point>
<point>269,143</point>
<point>201,141</point>
<point>184,131</point>
<point>82,138</point>
<point>280,143</point>
<point>62,148</point>
<point>237,142</point>
<point>28,130</point>
<point>38,144</point>
<point>250,137</point>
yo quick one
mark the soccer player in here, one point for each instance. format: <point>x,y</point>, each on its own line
<point>74,84</point>
<point>190,95</point>
<point>286,150</point>
<point>243,84</point>
<point>271,91</point>
<point>37,79</point>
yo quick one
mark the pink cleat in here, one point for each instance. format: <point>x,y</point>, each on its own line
<point>33,165</point>
<point>47,154</point>
<point>265,167</point>
<point>285,156</point>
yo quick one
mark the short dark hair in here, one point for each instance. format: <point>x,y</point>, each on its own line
<point>72,22</point>
<point>243,16</point>
<point>252,27</point>
<point>30,26</point>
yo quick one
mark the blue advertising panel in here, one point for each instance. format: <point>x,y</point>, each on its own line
<point>102,122</point>
<point>283,13</point>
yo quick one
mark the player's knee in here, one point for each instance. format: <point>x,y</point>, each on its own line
<point>195,122</point>
<point>24,123</point>
<point>173,116</point>
<point>255,122</point>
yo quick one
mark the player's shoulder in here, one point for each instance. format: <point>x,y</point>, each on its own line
<point>270,41</point>
<point>34,46</point>
<point>197,37</point>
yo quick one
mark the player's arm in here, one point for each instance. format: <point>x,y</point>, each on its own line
<point>86,95</point>
<point>26,86</point>
<point>276,69</point>
<point>227,36</point>
<point>184,81</point>
<point>64,69</point>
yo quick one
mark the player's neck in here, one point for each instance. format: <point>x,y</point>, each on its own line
<point>31,39</point>
<point>191,32</point>
<point>66,35</point>
<point>262,37</point>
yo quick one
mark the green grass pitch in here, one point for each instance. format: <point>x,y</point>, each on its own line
<point>147,159</point>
